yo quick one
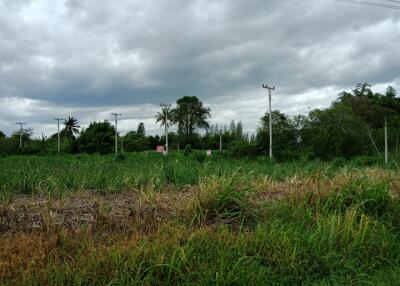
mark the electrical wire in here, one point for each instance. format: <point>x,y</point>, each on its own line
<point>365,3</point>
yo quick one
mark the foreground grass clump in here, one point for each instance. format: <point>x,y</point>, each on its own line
<point>224,200</point>
<point>233,230</point>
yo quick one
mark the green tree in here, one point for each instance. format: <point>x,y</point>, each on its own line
<point>335,132</point>
<point>135,142</point>
<point>284,133</point>
<point>391,92</point>
<point>141,132</point>
<point>71,128</point>
<point>363,89</point>
<point>97,138</point>
<point>239,131</point>
<point>190,114</point>
<point>2,135</point>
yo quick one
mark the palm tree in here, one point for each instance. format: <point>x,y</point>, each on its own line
<point>71,127</point>
<point>165,117</point>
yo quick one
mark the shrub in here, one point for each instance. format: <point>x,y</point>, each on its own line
<point>243,148</point>
<point>188,150</point>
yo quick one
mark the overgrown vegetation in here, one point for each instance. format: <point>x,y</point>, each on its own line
<point>72,173</point>
<point>267,224</point>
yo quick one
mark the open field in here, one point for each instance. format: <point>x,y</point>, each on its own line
<point>149,220</point>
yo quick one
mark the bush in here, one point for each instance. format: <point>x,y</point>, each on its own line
<point>188,150</point>
<point>120,157</point>
<point>243,148</point>
<point>339,162</point>
<point>200,156</point>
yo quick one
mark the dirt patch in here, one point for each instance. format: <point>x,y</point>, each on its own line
<point>122,211</point>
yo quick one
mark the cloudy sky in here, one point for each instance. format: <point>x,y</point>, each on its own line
<point>88,58</point>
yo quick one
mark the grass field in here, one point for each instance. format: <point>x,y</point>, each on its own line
<point>149,220</point>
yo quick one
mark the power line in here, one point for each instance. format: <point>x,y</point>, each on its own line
<point>365,3</point>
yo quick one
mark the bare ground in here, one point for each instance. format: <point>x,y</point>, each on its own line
<point>119,211</point>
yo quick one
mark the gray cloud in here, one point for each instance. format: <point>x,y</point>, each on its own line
<point>89,58</point>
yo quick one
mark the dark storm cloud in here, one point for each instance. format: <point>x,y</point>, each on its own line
<point>78,55</point>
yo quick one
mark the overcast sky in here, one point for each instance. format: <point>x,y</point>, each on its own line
<point>88,58</point>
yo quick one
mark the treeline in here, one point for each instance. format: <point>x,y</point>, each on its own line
<point>353,125</point>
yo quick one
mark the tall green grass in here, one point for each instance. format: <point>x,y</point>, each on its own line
<point>66,173</point>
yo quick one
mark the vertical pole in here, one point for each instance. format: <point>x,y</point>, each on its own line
<point>58,130</point>
<point>165,109</point>
<point>116,132</point>
<point>386,143</point>
<point>166,132</point>
<point>58,133</point>
<point>116,137</point>
<point>220,140</point>
<point>20,133</point>
<point>270,117</point>
<point>20,137</point>
<point>270,125</point>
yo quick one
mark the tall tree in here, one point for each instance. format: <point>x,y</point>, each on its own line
<point>190,114</point>
<point>2,135</point>
<point>232,127</point>
<point>141,132</point>
<point>335,132</point>
<point>239,131</point>
<point>363,89</point>
<point>391,92</point>
<point>71,127</point>
<point>284,135</point>
<point>98,138</point>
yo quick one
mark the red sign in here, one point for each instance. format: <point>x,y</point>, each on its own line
<point>160,149</point>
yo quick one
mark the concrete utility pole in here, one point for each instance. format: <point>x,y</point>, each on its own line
<point>386,143</point>
<point>58,132</point>
<point>166,108</point>
<point>116,132</point>
<point>20,133</point>
<point>220,140</point>
<point>270,118</point>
